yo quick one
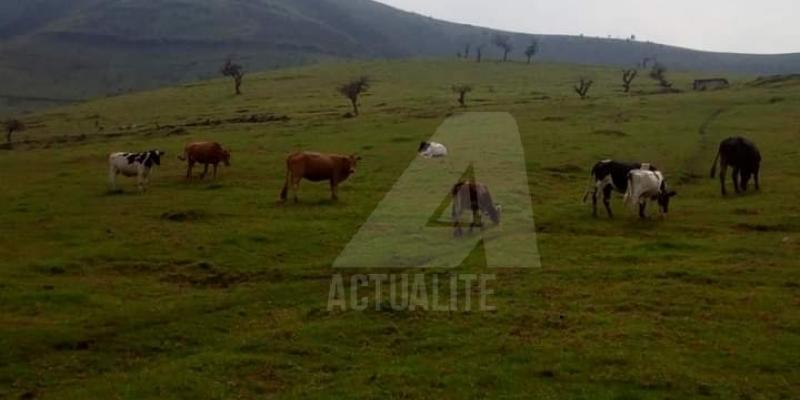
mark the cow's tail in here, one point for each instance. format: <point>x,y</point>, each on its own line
<point>592,187</point>
<point>629,192</point>
<point>714,166</point>
<point>285,190</point>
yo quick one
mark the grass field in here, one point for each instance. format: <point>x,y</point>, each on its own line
<point>214,290</point>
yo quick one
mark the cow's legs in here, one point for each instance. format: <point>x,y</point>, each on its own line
<point>735,177</point>
<point>189,170</point>
<point>112,178</point>
<point>723,170</point>
<point>607,200</point>
<point>334,188</point>
<point>457,231</point>
<point>476,219</point>
<point>215,170</point>
<point>205,172</point>
<point>642,209</point>
<point>295,187</point>
<point>594,203</point>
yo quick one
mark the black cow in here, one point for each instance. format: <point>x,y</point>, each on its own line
<point>608,176</point>
<point>744,157</point>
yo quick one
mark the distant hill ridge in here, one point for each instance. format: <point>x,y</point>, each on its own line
<point>77,49</point>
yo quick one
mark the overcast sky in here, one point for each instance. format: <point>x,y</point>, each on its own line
<point>748,26</point>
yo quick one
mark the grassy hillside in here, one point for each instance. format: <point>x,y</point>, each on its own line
<point>57,51</point>
<point>212,289</point>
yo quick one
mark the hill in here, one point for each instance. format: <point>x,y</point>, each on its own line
<point>57,51</point>
<point>213,289</point>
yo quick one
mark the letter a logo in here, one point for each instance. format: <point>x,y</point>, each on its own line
<point>400,233</point>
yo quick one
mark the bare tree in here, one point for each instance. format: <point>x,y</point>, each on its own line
<point>532,49</point>
<point>479,54</point>
<point>659,73</point>
<point>504,43</point>
<point>467,49</point>
<point>462,90</point>
<point>583,86</point>
<point>11,126</point>
<point>628,75</point>
<point>353,89</point>
<point>234,71</point>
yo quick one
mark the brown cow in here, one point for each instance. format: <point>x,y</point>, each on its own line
<point>317,167</point>
<point>476,197</point>
<point>205,153</point>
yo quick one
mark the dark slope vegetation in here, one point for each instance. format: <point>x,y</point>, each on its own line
<point>53,51</point>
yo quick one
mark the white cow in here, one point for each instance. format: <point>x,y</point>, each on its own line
<point>432,150</point>
<point>644,185</point>
<point>133,164</point>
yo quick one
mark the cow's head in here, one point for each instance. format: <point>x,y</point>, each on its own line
<point>493,212</point>
<point>226,157</point>
<point>155,156</point>
<point>423,146</point>
<point>663,197</point>
<point>353,161</point>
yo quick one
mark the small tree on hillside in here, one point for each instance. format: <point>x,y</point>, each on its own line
<point>467,49</point>
<point>353,89</point>
<point>479,54</point>
<point>628,75</point>
<point>583,86</point>
<point>659,73</point>
<point>11,126</point>
<point>504,43</point>
<point>532,49</point>
<point>234,71</point>
<point>462,91</point>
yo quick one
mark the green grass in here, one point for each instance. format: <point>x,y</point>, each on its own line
<point>101,297</point>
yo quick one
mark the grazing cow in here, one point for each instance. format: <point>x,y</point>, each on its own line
<point>744,157</point>
<point>476,197</point>
<point>608,176</point>
<point>205,153</point>
<point>317,167</point>
<point>133,164</point>
<point>644,185</point>
<point>432,150</point>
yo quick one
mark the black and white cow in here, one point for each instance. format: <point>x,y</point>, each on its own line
<point>646,185</point>
<point>608,176</point>
<point>744,157</point>
<point>133,164</point>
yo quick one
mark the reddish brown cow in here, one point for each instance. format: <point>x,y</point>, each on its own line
<point>317,167</point>
<point>205,153</point>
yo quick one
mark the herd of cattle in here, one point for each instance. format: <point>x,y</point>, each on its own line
<point>639,182</point>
